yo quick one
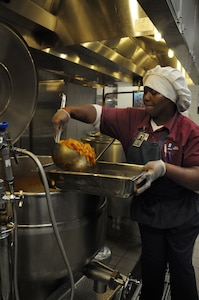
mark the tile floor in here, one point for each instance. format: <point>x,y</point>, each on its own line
<point>124,242</point>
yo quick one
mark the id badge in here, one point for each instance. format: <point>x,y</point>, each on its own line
<point>141,137</point>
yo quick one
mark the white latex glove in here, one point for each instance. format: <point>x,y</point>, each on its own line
<point>59,120</point>
<point>152,170</point>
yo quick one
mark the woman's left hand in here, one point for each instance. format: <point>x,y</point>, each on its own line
<point>152,170</point>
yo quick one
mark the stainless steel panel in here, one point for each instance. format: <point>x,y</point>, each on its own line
<point>18,82</point>
<point>179,33</point>
<point>116,41</point>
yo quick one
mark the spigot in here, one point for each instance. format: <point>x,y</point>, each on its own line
<point>103,276</point>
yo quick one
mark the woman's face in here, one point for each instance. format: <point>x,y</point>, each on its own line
<point>158,106</point>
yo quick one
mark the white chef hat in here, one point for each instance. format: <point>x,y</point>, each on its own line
<point>170,83</point>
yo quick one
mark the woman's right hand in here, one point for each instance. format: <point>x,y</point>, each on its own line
<point>60,119</point>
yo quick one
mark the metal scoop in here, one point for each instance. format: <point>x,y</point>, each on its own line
<point>68,159</point>
<point>64,157</point>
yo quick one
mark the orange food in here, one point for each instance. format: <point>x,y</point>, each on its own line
<point>84,149</point>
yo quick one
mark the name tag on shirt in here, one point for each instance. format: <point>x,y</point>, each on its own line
<point>141,137</point>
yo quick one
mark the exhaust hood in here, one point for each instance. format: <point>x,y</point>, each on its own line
<point>103,42</point>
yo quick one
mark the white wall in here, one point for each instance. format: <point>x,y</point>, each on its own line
<point>126,100</point>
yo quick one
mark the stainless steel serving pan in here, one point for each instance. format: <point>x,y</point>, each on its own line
<point>105,178</point>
